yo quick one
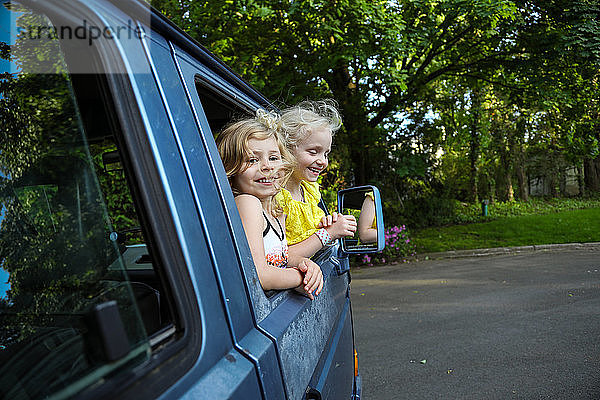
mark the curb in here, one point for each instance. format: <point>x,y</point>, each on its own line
<point>594,246</point>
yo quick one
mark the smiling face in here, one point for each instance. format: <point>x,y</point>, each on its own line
<point>312,155</point>
<point>261,175</point>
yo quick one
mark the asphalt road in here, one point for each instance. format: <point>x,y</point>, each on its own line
<point>504,327</point>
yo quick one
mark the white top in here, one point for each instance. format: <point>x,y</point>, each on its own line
<point>276,248</point>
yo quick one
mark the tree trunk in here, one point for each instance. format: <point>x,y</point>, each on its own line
<point>358,135</point>
<point>504,189</point>
<point>474,143</point>
<point>522,182</point>
<point>591,167</point>
<point>580,182</point>
<point>506,151</point>
<point>562,182</point>
<point>519,139</point>
<point>591,174</point>
<point>510,193</point>
<point>552,181</point>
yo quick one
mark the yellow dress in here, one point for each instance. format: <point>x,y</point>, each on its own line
<point>303,217</point>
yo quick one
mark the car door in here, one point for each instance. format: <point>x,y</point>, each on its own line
<point>312,340</point>
<point>199,155</point>
<point>110,246</point>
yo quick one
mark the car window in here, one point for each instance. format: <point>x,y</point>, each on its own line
<point>220,110</point>
<point>80,300</point>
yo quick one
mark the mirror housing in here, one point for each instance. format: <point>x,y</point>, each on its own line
<point>363,201</point>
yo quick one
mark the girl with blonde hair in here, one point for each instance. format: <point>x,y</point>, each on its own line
<point>307,130</point>
<point>257,163</point>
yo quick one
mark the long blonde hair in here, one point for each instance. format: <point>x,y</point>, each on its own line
<point>232,143</point>
<point>299,121</point>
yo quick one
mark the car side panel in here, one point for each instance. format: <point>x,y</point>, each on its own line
<point>305,331</point>
<point>248,342</point>
<point>220,366</point>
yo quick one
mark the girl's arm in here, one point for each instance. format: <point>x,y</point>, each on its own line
<point>366,232</point>
<point>313,276</point>
<point>270,277</point>
<point>306,248</point>
<point>340,226</point>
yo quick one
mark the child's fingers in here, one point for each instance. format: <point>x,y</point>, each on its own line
<point>334,217</point>
<point>350,217</point>
<point>312,282</point>
<point>320,287</point>
<point>350,227</point>
<point>302,266</point>
<point>310,271</point>
<point>318,282</point>
<point>307,277</point>
<point>325,221</point>
<point>315,279</point>
<point>340,221</point>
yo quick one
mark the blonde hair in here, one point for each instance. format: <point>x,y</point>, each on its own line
<point>232,143</point>
<point>299,121</point>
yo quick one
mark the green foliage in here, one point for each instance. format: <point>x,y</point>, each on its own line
<point>565,226</point>
<point>444,102</point>
<point>466,213</point>
<point>374,57</point>
<point>398,248</point>
<point>429,211</point>
<point>117,196</point>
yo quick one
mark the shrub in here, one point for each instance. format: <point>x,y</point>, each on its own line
<point>429,211</point>
<point>398,247</point>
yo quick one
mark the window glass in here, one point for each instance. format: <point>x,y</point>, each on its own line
<point>79,299</point>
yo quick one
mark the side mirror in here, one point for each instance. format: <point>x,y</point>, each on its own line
<point>364,202</point>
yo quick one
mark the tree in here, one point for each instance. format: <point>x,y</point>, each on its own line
<point>374,57</point>
<point>440,98</point>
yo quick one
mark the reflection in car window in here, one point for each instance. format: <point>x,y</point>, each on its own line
<point>69,234</point>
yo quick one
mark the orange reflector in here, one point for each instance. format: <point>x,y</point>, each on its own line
<point>355,363</point>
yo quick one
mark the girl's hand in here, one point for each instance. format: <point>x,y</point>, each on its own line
<point>344,226</point>
<point>327,220</point>
<point>312,284</point>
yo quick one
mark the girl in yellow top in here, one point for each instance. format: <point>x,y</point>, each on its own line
<point>307,131</point>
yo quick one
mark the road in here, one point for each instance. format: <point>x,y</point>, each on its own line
<point>504,327</point>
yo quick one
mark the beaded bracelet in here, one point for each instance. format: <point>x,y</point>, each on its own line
<point>324,237</point>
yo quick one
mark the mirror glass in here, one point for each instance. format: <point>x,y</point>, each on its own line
<point>361,204</point>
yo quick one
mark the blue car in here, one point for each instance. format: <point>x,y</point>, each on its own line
<point>124,268</point>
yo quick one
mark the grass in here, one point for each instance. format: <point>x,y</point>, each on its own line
<point>557,224</point>
<point>536,206</point>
